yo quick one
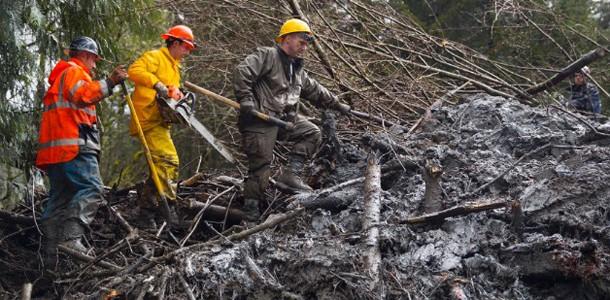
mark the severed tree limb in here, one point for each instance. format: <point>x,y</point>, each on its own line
<point>372,213</point>
<point>567,71</point>
<point>459,210</point>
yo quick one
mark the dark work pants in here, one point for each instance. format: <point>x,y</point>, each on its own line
<point>76,190</point>
<point>258,141</point>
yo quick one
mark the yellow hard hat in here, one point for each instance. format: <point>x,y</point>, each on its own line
<point>292,26</point>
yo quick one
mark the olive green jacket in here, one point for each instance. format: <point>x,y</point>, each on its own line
<point>274,82</point>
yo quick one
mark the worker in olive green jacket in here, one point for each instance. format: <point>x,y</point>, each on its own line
<point>157,72</point>
<point>272,80</point>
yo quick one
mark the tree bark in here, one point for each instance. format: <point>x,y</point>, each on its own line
<point>372,213</point>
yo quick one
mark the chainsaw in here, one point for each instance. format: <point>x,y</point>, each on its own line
<point>182,112</point>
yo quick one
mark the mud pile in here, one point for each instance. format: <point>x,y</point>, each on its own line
<point>554,243</point>
<point>560,251</point>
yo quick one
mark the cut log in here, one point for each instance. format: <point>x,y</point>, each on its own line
<point>372,213</point>
<point>454,211</point>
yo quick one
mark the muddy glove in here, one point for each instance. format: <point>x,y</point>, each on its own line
<point>161,89</point>
<point>343,108</point>
<point>246,108</point>
<point>117,76</point>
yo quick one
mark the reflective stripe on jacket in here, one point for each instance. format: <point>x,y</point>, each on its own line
<point>273,81</point>
<point>150,68</point>
<point>69,106</point>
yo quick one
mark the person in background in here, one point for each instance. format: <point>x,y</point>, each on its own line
<point>583,94</point>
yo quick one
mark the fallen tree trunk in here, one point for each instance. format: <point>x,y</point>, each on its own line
<point>567,71</point>
<point>217,212</point>
<point>453,212</point>
<point>372,212</point>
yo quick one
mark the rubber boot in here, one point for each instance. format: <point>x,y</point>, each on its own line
<point>291,174</point>
<point>251,210</point>
<point>50,230</point>
<point>147,219</point>
<point>72,234</point>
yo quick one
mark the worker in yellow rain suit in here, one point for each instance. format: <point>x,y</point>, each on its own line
<point>157,72</point>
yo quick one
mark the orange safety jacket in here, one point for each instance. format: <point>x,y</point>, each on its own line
<point>68,105</point>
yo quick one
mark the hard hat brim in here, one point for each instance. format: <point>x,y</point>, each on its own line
<point>192,44</point>
<point>67,52</point>
<point>279,38</point>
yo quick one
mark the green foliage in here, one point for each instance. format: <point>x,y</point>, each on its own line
<point>34,36</point>
<point>538,34</point>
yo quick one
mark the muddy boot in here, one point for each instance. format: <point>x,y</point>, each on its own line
<point>72,234</point>
<point>291,174</point>
<point>147,219</point>
<point>251,210</point>
<point>50,231</point>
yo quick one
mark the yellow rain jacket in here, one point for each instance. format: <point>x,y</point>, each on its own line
<point>150,68</point>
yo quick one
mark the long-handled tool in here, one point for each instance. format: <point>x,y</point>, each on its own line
<point>287,125</point>
<point>224,100</point>
<point>153,171</point>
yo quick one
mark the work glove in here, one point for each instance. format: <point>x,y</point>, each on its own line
<point>246,108</point>
<point>161,89</point>
<point>174,92</point>
<point>343,108</point>
<point>117,76</point>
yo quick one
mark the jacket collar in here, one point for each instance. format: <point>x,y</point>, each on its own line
<point>80,64</point>
<point>297,63</point>
<point>165,51</point>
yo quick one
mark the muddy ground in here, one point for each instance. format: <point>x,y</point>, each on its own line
<point>556,248</point>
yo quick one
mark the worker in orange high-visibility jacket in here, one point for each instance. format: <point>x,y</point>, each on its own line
<point>69,145</point>
<point>157,72</point>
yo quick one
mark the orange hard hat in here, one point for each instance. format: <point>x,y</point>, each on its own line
<point>182,33</point>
